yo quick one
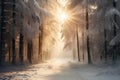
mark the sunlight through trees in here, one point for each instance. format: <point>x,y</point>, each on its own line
<point>33,31</point>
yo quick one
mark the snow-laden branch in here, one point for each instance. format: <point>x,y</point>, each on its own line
<point>113,11</point>
<point>110,15</point>
<point>115,40</point>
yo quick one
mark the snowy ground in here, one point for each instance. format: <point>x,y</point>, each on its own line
<point>60,70</point>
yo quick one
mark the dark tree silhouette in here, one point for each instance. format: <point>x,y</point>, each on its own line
<point>3,33</point>
<point>87,30</point>
<point>13,33</point>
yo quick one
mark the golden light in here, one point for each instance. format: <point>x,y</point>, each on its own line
<point>62,16</point>
<point>63,3</point>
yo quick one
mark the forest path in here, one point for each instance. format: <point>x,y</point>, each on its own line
<point>59,71</point>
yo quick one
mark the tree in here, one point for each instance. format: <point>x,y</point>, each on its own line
<point>13,33</point>
<point>3,33</point>
<point>21,43</point>
<point>111,16</point>
<point>87,31</point>
<point>31,23</point>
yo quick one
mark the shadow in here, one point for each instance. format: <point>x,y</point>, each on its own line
<point>12,68</point>
<point>11,71</point>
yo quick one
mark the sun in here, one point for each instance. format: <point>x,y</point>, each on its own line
<point>62,16</point>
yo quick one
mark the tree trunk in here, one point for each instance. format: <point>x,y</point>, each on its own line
<point>13,34</point>
<point>87,31</point>
<point>21,47</point>
<point>105,42</point>
<point>40,43</point>
<point>114,56</point>
<point>78,43</point>
<point>3,33</point>
<point>30,50</point>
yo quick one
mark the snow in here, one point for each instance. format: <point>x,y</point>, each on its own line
<point>60,70</point>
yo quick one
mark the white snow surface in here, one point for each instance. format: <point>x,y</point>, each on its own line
<point>61,70</point>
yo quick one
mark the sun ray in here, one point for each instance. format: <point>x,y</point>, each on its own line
<point>64,19</point>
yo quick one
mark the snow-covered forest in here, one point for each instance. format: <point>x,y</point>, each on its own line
<point>34,31</point>
<point>38,31</point>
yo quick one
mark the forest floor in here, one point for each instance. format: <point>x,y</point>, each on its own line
<point>60,70</point>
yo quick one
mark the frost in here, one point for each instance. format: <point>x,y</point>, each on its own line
<point>113,11</point>
<point>32,16</point>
